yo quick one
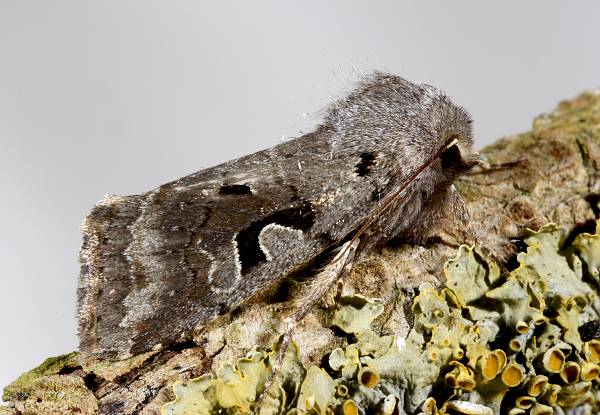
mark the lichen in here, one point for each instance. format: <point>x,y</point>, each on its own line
<point>489,342</point>
<point>62,394</point>
<point>51,366</point>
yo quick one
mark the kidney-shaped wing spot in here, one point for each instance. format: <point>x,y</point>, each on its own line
<point>250,254</point>
<point>276,240</point>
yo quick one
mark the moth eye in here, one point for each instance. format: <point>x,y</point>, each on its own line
<point>367,160</point>
<point>451,157</point>
<point>235,189</point>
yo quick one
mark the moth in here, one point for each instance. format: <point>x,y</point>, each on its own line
<point>380,166</point>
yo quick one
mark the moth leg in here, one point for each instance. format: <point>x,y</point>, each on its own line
<point>334,271</point>
<point>462,217</point>
<point>464,230</point>
<point>331,298</point>
<point>446,217</point>
<point>340,287</point>
<point>461,228</point>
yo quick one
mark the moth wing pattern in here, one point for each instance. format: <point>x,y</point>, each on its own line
<point>157,265</point>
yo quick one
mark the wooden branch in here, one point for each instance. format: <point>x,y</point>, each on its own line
<point>549,174</point>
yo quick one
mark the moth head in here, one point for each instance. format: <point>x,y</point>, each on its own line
<point>459,157</point>
<point>455,132</point>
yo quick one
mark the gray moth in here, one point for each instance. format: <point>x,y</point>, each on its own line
<point>157,266</point>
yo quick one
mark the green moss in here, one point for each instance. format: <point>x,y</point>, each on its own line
<point>50,366</point>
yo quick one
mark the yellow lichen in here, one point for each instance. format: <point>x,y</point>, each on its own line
<point>553,360</point>
<point>492,363</point>
<point>341,391</point>
<point>347,361</point>
<point>357,313</point>
<point>525,402</point>
<point>513,374</point>
<point>460,377</point>
<point>490,342</point>
<point>429,407</point>
<point>537,384</point>
<point>550,395</point>
<point>573,395</point>
<point>469,408</point>
<point>590,371</point>
<point>317,391</point>
<point>349,407</point>
<point>570,372</point>
<point>569,315</point>
<point>587,247</point>
<point>541,409</point>
<point>591,350</point>
<point>469,275</point>
<point>368,377</point>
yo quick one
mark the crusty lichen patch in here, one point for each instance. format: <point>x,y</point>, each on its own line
<point>44,390</point>
<point>487,343</point>
<point>550,174</point>
<point>7,411</point>
<point>58,394</point>
<point>50,366</point>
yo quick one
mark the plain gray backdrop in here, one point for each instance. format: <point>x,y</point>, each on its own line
<point>120,96</point>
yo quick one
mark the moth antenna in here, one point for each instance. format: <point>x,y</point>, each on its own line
<point>485,167</point>
<point>339,266</point>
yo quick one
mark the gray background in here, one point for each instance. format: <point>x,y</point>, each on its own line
<point>120,96</point>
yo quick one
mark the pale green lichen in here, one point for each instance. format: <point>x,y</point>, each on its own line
<point>547,267</point>
<point>317,392</point>
<point>347,361</point>
<point>488,343</point>
<point>357,313</point>
<point>587,247</point>
<point>234,387</point>
<point>471,274</point>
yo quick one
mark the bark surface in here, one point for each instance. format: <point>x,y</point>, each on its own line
<point>549,174</point>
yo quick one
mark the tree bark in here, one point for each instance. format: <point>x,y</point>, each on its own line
<point>549,174</point>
